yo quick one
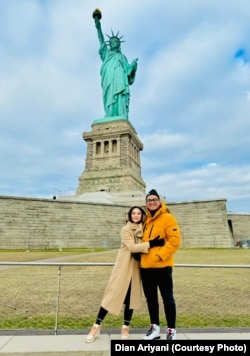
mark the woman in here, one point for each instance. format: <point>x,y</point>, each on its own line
<point>124,286</point>
<point>117,74</point>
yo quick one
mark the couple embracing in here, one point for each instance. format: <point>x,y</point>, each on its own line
<point>155,236</point>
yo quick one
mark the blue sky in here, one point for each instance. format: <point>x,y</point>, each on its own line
<point>190,102</point>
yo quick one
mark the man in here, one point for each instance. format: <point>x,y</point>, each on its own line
<point>157,265</point>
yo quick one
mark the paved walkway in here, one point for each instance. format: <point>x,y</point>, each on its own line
<point>72,345</point>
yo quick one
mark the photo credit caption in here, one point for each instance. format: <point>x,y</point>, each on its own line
<point>158,347</point>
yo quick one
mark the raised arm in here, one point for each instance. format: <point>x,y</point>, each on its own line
<point>97,17</point>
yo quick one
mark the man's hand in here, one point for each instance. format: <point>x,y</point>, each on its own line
<point>156,242</point>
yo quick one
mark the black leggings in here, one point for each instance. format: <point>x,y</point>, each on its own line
<point>152,278</point>
<point>127,312</point>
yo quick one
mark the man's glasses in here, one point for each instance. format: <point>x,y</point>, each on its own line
<point>152,200</point>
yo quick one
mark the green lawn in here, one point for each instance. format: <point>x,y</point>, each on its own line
<point>205,297</point>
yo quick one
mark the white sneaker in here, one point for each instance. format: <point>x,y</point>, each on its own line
<point>171,334</point>
<point>153,332</point>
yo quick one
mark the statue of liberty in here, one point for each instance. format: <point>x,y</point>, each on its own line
<point>116,73</point>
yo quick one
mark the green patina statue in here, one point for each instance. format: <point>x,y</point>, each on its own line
<point>116,73</point>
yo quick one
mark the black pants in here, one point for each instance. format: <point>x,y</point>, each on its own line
<point>127,312</point>
<point>152,278</point>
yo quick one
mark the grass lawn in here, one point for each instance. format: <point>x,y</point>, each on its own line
<point>205,297</point>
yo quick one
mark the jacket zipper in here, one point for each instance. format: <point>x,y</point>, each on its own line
<point>150,230</point>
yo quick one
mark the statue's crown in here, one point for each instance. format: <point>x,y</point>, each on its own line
<point>119,39</point>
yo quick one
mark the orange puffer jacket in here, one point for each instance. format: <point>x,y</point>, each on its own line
<point>165,225</point>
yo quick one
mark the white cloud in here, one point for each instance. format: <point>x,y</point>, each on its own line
<point>189,103</point>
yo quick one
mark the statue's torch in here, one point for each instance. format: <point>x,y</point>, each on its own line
<point>97,14</point>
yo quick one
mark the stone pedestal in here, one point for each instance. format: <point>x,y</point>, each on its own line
<point>112,159</point>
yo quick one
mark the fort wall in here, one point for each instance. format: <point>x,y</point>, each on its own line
<point>32,223</point>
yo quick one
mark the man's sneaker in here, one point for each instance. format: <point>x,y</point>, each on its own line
<point>171,334</point>
<point>153,332</point>
<point>94,332</point>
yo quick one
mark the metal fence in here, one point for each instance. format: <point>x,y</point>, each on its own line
<point>74,290</point>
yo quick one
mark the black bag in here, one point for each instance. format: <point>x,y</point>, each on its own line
<point>136,255</point>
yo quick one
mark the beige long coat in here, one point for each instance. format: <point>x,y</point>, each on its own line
<point>126,270</point>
